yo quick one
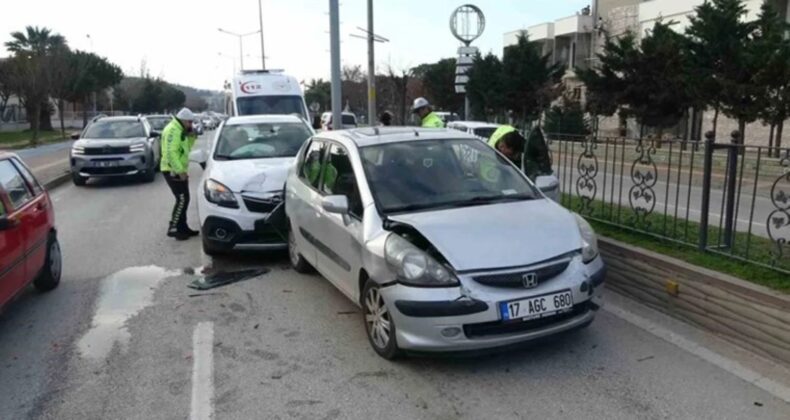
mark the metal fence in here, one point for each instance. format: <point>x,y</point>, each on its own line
<point>721,197</point>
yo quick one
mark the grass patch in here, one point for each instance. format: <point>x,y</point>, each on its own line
<point>19,139</point>
<point>679,239</point>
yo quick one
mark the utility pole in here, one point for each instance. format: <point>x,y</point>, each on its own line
<point>260,23</point>
<point>371,69</point>
<point>334,47</point>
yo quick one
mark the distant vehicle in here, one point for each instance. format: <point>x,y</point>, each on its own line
<point>158,122</point>
<point>447,116</point>
<point>198,126</point>
<point>29,248</point>
<point>414,225</point>
<point>267,92</point>
<point>241,191</point>
<point>481,129</point>
<point>113,147</point>
<point>349,121</point>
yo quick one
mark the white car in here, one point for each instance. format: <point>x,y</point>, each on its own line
<point>443,242</point>
<point>241,192</point>
<point>349,121</point>
<point>481,129</point>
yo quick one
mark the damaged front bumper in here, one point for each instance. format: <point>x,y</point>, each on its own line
<point>468,317</point>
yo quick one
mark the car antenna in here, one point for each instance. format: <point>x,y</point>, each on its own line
<point>416,133</point>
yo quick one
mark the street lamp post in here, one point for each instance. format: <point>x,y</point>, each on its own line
<point>334,46</point>
<point>260,23</point>
<point>240,36</point>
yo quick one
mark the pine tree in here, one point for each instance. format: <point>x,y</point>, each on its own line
<point>772,54</point>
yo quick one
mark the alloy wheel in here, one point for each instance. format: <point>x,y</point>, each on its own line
<point>377,318</point>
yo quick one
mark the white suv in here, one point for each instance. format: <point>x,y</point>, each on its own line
<point>240,195</point>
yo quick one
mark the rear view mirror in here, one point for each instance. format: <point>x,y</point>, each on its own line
<point>337,204</point>
<point>75,136</point>
<point>549,186</point>
<point>6,223</point>
<point>155,133</point>
<point>199,156</point>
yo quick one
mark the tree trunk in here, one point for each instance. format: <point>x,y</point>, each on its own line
<point>742,133</point>
<point>34,122</point>
<point>778,137</point>
<point>84,112</point>
<point>45,118</point>
<point>61,105</point>
<point>771,138</point>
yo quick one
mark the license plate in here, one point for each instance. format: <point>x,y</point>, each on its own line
<point>105,164</point>
<point>536,307</point>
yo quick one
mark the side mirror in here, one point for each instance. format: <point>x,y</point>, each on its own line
<point>337,204</point>
<point>6,223</point>
<point>75,136</point>
<point>548,185</point>
<point>199,156</point>
<point>155,133</point>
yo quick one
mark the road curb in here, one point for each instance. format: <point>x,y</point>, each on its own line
<point>751,316</point>
<point>57,181</point>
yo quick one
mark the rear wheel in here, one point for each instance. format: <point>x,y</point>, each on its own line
<point>298,262</point>
<point>78,180</point>
<point>210,249</point>
<point>49,278</point>
<point>379,325</point>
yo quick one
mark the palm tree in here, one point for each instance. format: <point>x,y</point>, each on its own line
<point>31,49</point>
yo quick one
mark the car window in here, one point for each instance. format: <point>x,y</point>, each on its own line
<point>159,123</point>
<point>311,168</point>
<point>339,178</point>
<point>11,180</point>
<point>484,132</point>
<point>115,129</point>
<point>270,105</point>
<point>32,182</point>
<point>261,140</point>
<point>420,175</point>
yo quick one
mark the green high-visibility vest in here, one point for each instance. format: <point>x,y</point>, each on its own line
<point>499,133</point>
<point>432,121</point>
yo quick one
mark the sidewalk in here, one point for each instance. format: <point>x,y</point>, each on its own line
<point>50,163</point>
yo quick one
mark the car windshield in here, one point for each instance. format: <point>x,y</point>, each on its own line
<point>271,105</point>
<point>118,129</point>
<point>420,175</point>
<point>484,132</point>
<point>159,123</point>
<point>262,140</point>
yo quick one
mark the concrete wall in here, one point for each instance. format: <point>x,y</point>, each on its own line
<point>748,315</point>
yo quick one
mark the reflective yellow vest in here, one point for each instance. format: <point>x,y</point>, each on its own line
<point>499,133</point>
<point>176,145</point>
<point>432,121</point>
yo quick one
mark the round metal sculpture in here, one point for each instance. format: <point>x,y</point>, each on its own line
<point>467,23</point>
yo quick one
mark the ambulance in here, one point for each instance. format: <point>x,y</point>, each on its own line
<point>267,92</point>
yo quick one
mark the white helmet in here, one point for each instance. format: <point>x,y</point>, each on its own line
<point>420,103</point>
<point>185,115</point>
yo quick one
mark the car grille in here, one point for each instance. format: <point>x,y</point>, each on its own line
<point>261,205</point>
<point>544,273</point>
<point>488,329</point>
<point>109,150</point>
<point>117,170</point>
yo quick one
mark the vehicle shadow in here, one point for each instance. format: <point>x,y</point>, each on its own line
<point>119,182</point>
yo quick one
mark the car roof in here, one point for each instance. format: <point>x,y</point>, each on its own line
<point>474,124</point>
<point>120,118</point>
<point>253,119</point>
<point>7,155</point>
<point>159,116</point>
<point>369,136</point>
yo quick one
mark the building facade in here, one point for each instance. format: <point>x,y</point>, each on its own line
<point>582,36</point>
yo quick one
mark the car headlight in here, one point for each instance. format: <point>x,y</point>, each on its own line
<point>77,150</point>
<point>414,266</point>
<point>220,194</point>
<point>137,148</point>
<point>589,239</point>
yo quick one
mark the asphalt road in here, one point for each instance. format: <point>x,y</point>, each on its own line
<point>124,338</point>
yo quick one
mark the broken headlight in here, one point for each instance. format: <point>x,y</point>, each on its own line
<point>589,239</point>
<point>414,266</point>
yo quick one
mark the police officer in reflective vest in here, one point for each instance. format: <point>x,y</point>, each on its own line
<point>177,139</point>
<point>512,144</point>
<point>428,118</point>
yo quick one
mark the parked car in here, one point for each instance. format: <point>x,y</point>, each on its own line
<point>29,248</point>
<point>349,121</point>
<point>159,122</point>
<point>113,147</point>
<point>447,117</point>
<point>241,192</point>
<point>481,129</point>
<point>443,242</point>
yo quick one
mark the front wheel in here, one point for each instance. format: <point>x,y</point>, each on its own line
<point>379,326</point>
<point>78,180</point>
<point>299,264</point>
<point>49,278</point>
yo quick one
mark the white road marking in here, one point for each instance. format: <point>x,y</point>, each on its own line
<point>767,384</point>
<point>203,372</point>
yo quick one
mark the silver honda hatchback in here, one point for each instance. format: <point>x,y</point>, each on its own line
<point>444,243</point>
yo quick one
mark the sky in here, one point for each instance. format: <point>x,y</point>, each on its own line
<point>179,40</point>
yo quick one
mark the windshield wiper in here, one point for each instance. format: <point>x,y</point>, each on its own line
<point>489,199</point>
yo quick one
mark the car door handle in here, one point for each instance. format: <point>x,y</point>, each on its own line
<point>41,206</point>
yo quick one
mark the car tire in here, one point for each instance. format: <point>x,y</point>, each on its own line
<point>381,335</point>
<point>211,249</point>
<point>49,277</point>
<point>149,175</point>
<point>298,262</point>
<point>79,181</point>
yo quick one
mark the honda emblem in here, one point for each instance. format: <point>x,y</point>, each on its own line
<point>529,280</point>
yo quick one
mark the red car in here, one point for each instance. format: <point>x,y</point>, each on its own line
<point>29,249</point>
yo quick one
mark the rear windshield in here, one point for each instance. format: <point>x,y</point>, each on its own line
<point>271,105</point>
<point>484,132</point>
